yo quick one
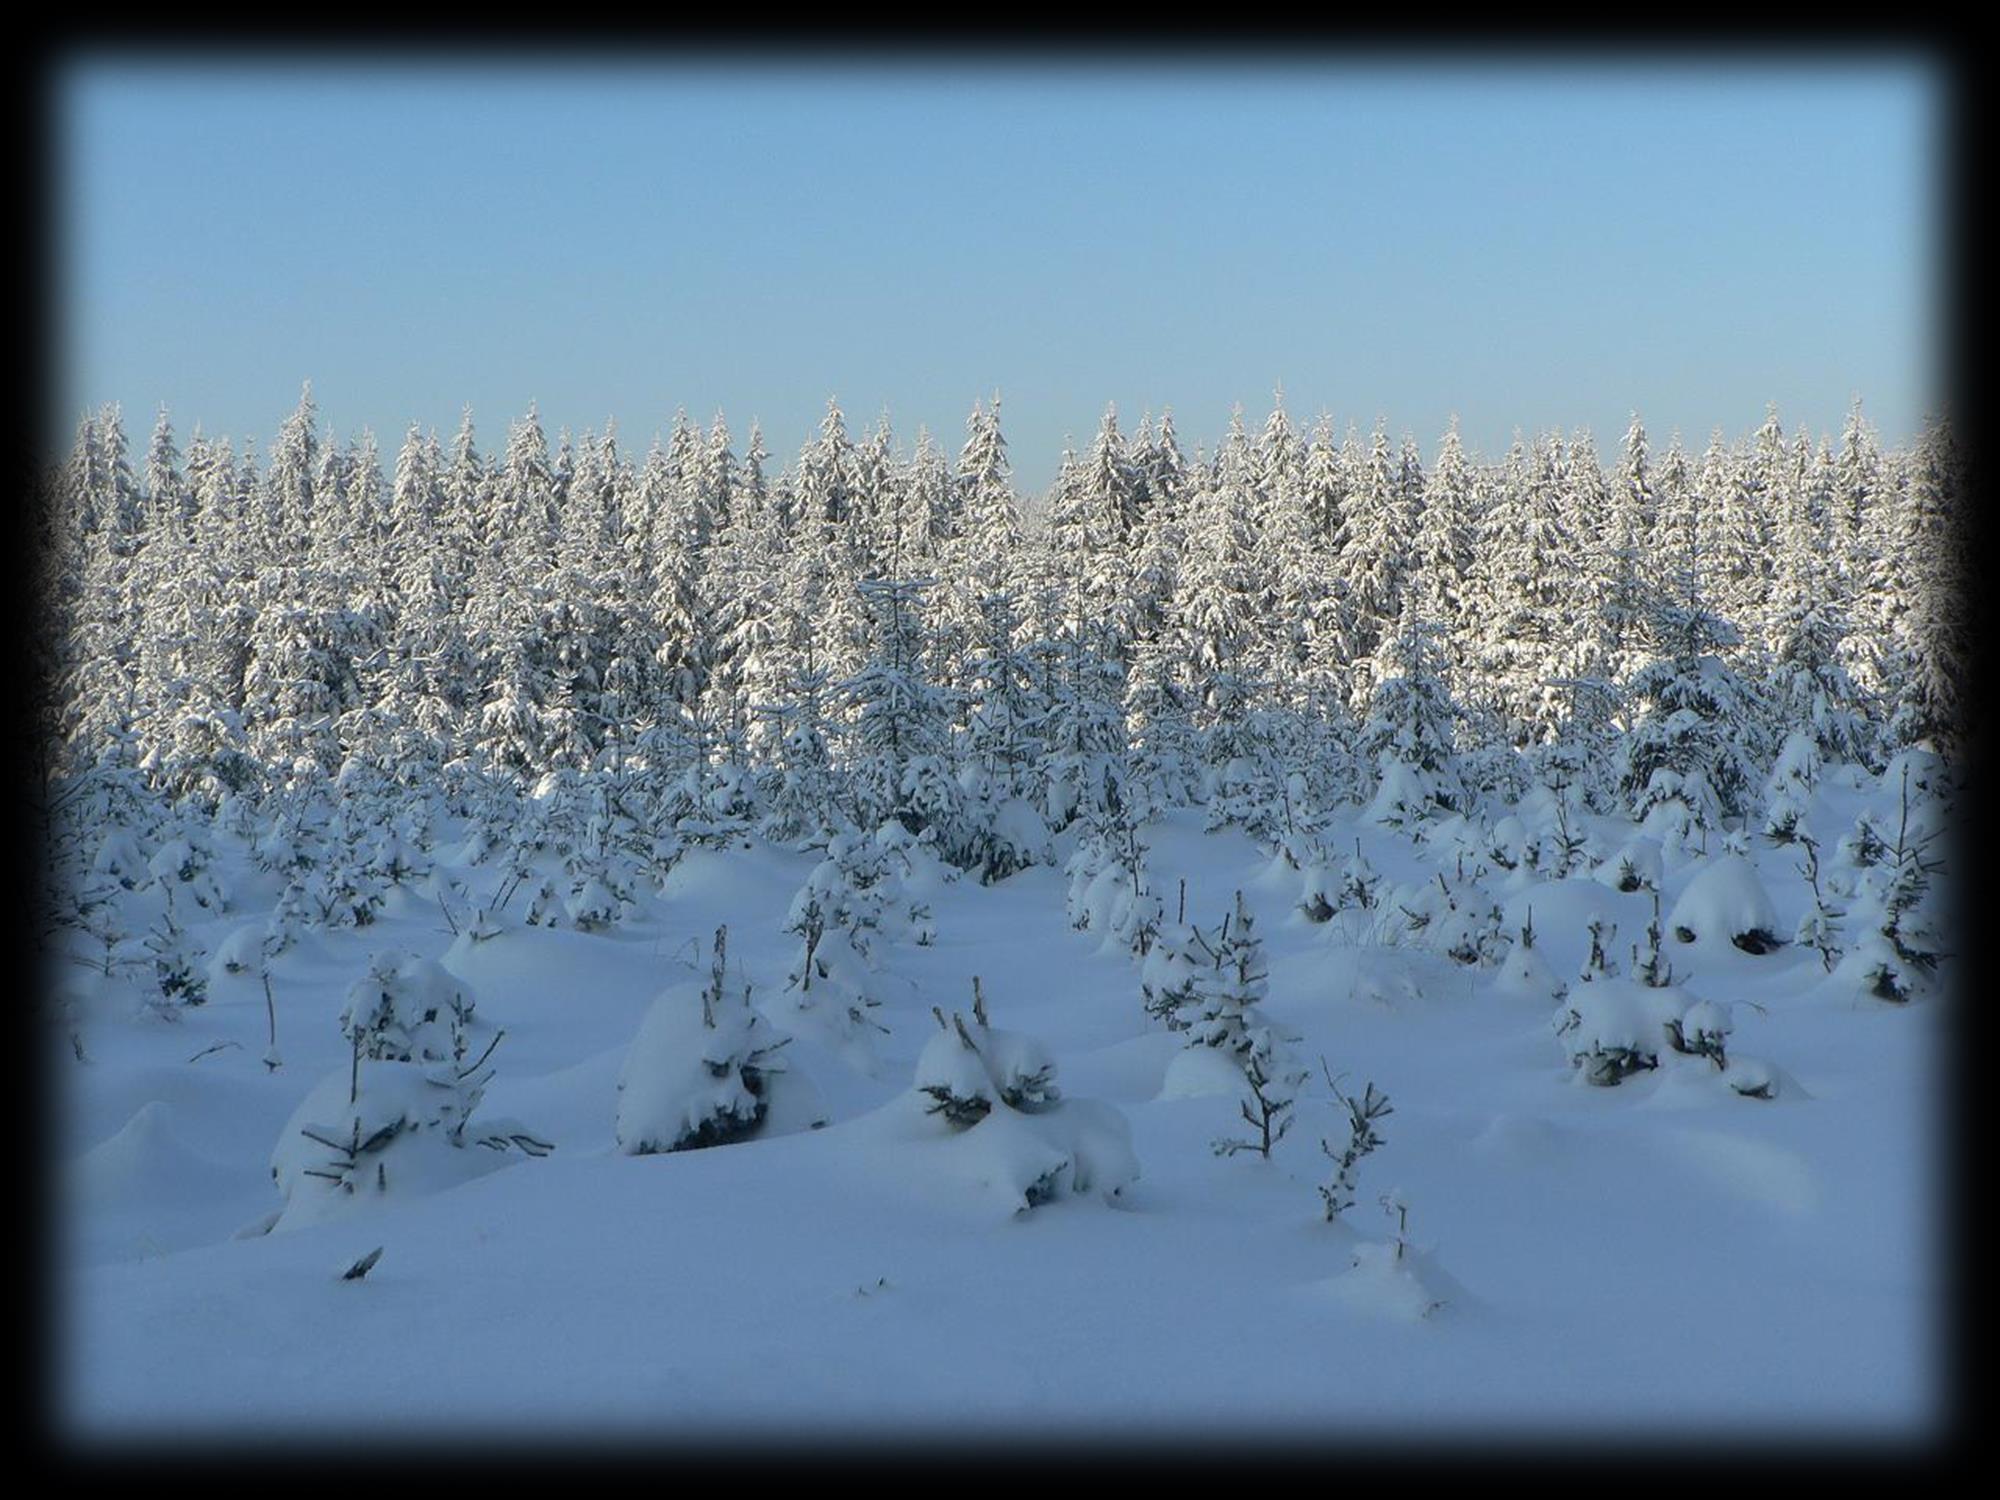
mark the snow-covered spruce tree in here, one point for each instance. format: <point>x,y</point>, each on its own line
<point>802,806</point>
<point>1899,938</point>
<point>177,963</point>
<point>405,1009</point>
<point>1933,704</point>
<point>838,916</point>
<point>700,1068</point>
<point>1691,756</point>
<point>1526,592</point>
<point>1411,728</point>
<point>898,714</point>
<point>1108,890</point>
<point>1223,1015</point>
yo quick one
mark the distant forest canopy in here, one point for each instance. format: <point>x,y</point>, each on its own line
<point>882,621</point>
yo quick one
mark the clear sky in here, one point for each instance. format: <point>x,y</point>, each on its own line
<point>1526,246</point>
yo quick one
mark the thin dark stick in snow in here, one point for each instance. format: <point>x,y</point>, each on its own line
<point>271,1013</point>
<point>363,1266</point>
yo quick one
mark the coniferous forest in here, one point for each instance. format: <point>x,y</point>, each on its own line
<point>1324,884</point>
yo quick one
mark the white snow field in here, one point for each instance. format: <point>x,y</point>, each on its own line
<point>1672,1255</point>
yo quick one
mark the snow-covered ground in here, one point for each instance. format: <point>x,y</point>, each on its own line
<point>1668,1255</point>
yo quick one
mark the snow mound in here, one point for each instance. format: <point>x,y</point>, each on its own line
<point>1203,1073</point>
<point>1726,900</point>
<point>1405,1288</point>
<point>1015,1162</point>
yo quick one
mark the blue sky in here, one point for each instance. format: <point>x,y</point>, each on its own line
<point>1526,246</point>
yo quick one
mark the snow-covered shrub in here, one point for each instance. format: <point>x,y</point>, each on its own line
<point>1597,963</point>
<point>118,859</point>
<point>374,1129</point>
<point>967,1072</point>
<point>1107,894</point>
<point>699,1072</point>
<point>853,907</point>
<point>406,1008</point>
<point>1221,1017</point>
<point>1703,1031</point>
<point>1613,1028</point>
<point>344,892</point>
<point>1820,926</point>
<point>1788,791</point>
<point>1900,938</point>
<point>593,906</point>
<point>186,864</point>
<point>395,859</point>
<point>995,1091</point>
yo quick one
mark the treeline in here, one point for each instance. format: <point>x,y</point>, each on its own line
<point>883,630</point>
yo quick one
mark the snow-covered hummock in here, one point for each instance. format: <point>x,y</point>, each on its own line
<point>1204,1072</point>
<point>1726,902</point>
<point>690,1082</point>
<point>402,1008</point>
<point>1405,1288</point>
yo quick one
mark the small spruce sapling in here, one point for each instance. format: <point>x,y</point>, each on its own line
<point>1274,1081</point>
<point>177,965</point>
<point>1649,967</point>
<point>1596,965</point>
<point>1819,928</point>
<point>1337,1192</point>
